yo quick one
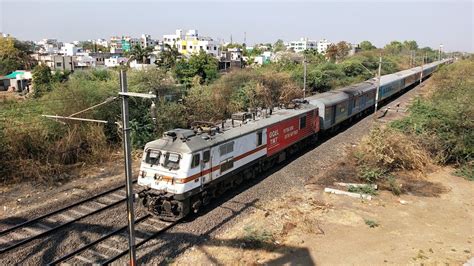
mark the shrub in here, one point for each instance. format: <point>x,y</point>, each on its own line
<point>387,150</point>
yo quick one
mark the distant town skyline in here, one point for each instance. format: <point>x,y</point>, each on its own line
<point>430,23</point>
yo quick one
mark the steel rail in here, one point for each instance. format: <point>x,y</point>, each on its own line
<point>60,210</point>
<point>26,240</point>
<point>116,257</point>
<point>95,242</point>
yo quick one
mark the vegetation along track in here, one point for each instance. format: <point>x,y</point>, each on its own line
<point>46,224</point>
<point>113,246</point>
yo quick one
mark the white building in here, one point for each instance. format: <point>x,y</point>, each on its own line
<point>115,61</point>
<point>301,45</point>
<point>49,46</point>
<point>147,41</point>
<point>101,42</point>
<point>191,42</point>
<point>70,49</point>
<point>323,45</point>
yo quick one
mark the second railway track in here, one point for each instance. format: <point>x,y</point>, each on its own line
<point>46,224</point>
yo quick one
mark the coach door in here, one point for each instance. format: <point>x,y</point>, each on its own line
<point>206,167</point>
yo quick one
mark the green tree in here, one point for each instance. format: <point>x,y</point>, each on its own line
<point>42,79</point>
<point>94,47</point>
<point>167,58</point>
<point>366,46</point>
<point>279,46</point>
<point>394,47</point>
<point>140,54</point>
<point>14,55</point>
<point>410,45</point>
<point>202,65</point>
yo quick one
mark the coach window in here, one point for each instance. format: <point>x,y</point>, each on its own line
<point>259,138</point>
<point>195,161</point>
<point>302,122</point>
<point>206,156</point>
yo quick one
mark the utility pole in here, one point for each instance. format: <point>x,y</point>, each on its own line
<point>439,53</point>
<point>378,87</point>
<point>128,169</point>
<point>304,77</point>
<point>421,74</point>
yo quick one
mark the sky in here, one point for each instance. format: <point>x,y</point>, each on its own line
<point>430,23</point>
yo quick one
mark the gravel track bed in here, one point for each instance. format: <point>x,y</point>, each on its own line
<point>212,220</point>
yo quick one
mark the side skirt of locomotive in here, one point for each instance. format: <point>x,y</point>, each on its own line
<point>173,207</point>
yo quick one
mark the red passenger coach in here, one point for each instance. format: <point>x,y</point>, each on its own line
<point>289,131</point>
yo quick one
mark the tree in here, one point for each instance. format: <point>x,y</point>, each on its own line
<point>331,52</point>
<point>14,55</point>
<point>394,47</point>
<point>41,80</point>
<point>343,49</point>
<point>94,47</point>
<point>366,46</point>
<point>410,45</point>
<point>167,58</point>
<point>279,46</point>
<point>140,54</point>
<point>203,65</point>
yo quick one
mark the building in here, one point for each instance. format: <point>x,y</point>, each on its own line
<point>49,46</point>
<point>232,58</point>
<point>56,62</point>
<point>323,45</point>
<point>191,43</point>
<point>101,42</point>
<point>302,45</point>
<point>18,81</point>
<point>147,41</point>
<point>115,61</point>
<point>70,49</point>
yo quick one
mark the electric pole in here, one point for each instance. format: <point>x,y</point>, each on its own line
<point>378,87</point>
<point>304,77</point>
<point>128,168</point>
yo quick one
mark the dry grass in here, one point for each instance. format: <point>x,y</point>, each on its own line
<point>391,150</point>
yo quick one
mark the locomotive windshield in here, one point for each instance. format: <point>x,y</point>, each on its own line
<point>153,157</point>
<point>172,161</point>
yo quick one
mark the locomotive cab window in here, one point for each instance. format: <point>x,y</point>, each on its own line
<point>196,159</point>
<point>206,156</point>
<point>302,122</point>
<point>259,138</point>
<point>172,161</point>
<point>152,157</point>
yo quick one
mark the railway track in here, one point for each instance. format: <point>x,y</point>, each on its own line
<point>114,245</point>
<point>45,225</point>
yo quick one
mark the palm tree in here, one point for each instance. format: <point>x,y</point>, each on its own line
<point>168,57</point>
<point>139,53</point>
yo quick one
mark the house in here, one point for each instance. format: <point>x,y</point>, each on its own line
<point>115,61</point>
<point>18,81</point>
<point>56,62</point>
<point>302,45</point>
<point>191,42</point>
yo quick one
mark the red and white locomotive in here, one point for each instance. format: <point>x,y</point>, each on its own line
<point>187,168</point>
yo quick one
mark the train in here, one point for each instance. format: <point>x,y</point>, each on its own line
<point>187,169</point>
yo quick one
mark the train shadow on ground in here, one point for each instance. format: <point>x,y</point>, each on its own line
<point>173,244</point>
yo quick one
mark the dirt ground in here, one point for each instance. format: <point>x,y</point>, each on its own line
<point>320,228</point>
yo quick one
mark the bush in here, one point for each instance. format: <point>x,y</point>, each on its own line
<point>386,149</point>
<point>443,121</point>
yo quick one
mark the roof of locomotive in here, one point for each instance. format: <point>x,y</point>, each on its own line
<point>201,141</point>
